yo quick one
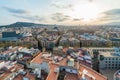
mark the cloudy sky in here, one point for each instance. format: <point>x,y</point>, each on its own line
<point>68,12</point>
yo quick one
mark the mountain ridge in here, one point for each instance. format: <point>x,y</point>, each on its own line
<point>24,24</point>
<point>30,24</point>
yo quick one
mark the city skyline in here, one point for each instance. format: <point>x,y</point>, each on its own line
<point>60,12</point>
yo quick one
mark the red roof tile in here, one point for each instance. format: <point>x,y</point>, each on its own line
<point>97,75</point>
<point>52,74</point>
<point>37,59</point>
<point>70,76</point>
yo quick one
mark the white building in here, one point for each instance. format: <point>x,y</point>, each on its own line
<point>110,59</point>
<point>40,66</point>
<point>38,63</point>
<point>101,49</point>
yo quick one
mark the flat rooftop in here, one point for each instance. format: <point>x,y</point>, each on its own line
<point>109,54</point>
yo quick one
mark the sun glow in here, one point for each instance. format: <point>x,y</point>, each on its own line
<point>87,12</point>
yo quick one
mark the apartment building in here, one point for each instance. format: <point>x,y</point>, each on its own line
<point>110,59</point>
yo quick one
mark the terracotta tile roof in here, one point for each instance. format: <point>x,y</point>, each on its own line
<point>52,74</point>
<point>28,75</point>
<point>18,77</point>
<point>37,59</point>
<point>70,76</point>
<point>5,75</point>
<point>65,50</point>
<point>8,73</point>
<point>63,62</point>
<point>97,75</point>
<point>16,67</point>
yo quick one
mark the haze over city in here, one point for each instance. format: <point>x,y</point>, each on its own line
<point>64,12</point>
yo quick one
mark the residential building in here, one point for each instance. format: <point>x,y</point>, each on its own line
<point>109,59</point>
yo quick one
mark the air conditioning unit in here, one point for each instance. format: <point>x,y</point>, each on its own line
<point>56,70</point>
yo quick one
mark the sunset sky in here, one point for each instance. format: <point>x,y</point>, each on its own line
<point>68,12</point>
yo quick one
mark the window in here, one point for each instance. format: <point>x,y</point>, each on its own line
<point>105,64</point>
